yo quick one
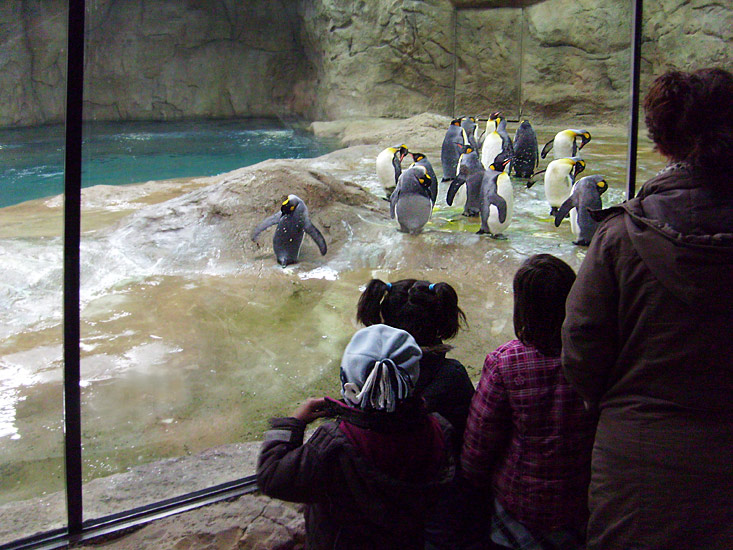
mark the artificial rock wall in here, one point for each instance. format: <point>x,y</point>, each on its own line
<point>553,60</point>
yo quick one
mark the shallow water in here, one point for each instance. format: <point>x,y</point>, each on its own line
<point>187,352</point>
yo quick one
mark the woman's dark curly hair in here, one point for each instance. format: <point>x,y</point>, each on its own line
<point>690,117</point>
<point>541,287</point>
<point>429,312</point>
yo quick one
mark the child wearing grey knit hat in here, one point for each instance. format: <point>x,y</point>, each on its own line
<point>379,368</point>
<point>369,477</point>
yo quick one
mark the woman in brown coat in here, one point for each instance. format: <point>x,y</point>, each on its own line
<point>648,335</point>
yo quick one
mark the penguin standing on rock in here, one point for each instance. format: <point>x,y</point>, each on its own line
<point>455,138</point>
<point>559,178</point>
<point>420,159</point>
<point>389,165</point>
<point>526,151</point>
<point>585,196</point>
<point>564,144</point>
<point>292,223</point>
<point>411,203</point>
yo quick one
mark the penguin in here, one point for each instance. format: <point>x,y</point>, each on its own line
<point>292,222</point>
<point>420,159</point>
<point>389,165</point>
<point>559,178</point>
<point>455,137</point>
<point>564,143</point>
<point>497,198</point>
<point>411,202</point>
<point>507,147</point>
<point>585,196</point>
<point>470,172</point>
<point>526,151</point>
<point>469,124</point>
<point>492,140</point>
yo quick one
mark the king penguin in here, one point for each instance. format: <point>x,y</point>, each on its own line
<point>420,159</point>
<point>564,144</point>
<point>559,178</point>
<point>389,165</point>
<point>292,222</point>
<point>469,124</point>
<point>492,144</point>
<point>411,203</point>
<point>497,198</point>
<point>526,151</point>
<point>470,172</point>
<point>455,138</point>
<point>585,196</point>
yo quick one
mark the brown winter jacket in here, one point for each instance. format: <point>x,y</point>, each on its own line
<point>350,503</point>
<point>648,338</point>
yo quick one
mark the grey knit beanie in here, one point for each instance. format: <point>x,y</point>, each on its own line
<point>380,368</point>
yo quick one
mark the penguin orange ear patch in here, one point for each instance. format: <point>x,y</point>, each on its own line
<point>285,202</point>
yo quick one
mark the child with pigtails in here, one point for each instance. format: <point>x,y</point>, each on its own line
<point>430,313</point>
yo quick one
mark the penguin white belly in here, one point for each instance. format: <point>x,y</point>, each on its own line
<point>385,170</point>
<point>557,186</point>
<point>490,148</point>
<point>562,146</point>
<point>574,227</point>
<point>505,191</point>
<point>413,212</point>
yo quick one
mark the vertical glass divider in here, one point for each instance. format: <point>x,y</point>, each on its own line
<point>72,241</point>
<point>636,22</point>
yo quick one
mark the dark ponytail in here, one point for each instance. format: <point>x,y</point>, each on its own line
<point>429,312</point>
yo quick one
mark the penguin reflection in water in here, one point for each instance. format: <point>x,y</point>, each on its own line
<point>411,203</point>
<point>585,196</point>
<point>292,223</point>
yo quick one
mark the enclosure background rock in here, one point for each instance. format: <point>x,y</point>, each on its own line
<point>552,61</point>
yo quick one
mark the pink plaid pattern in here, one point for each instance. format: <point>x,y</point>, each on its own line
<point>530,436</point>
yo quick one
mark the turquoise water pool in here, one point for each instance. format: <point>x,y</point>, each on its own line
<point>32,159</point>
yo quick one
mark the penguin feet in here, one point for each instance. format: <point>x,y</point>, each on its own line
<point>470,213</point>
<point>482,232</point>
<point>554,210</point>
<point>498,237</point>
<point>580,242</point>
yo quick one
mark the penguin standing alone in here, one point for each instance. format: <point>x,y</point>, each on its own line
<point>526,151</point>
<point>292,222</point>
<point>455,138</point>
<point>411,203</point>
<point>585,196</point>
<point>559,178</point>
<point>389,165</point>
<point>564,144</point>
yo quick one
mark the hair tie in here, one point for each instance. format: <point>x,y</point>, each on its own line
<point>431,286</point>
<point>389,286</point>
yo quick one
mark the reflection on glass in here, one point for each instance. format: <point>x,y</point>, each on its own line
<point>32,496</point>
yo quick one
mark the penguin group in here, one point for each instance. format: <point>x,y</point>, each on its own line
<point>484,165</point>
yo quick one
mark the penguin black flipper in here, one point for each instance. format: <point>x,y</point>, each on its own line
<point>453,189</point>
<point>264,224</point>
<point>564,210</point>
<point>500,203</point>
<point>393,201</point>
<point>547,148</point>
<point>316,235</point>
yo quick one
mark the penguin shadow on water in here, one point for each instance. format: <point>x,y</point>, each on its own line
<point>292,222</point>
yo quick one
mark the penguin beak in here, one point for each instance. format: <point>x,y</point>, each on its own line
<point>584,138</point>
<point>579,167</point>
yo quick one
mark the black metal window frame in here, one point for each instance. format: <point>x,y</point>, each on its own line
<point>77,529</point>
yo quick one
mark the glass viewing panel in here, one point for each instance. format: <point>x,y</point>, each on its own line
<point>32,497</point>
<point>191,335</point>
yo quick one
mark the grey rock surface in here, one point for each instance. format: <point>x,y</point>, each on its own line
<point>555,61</point>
